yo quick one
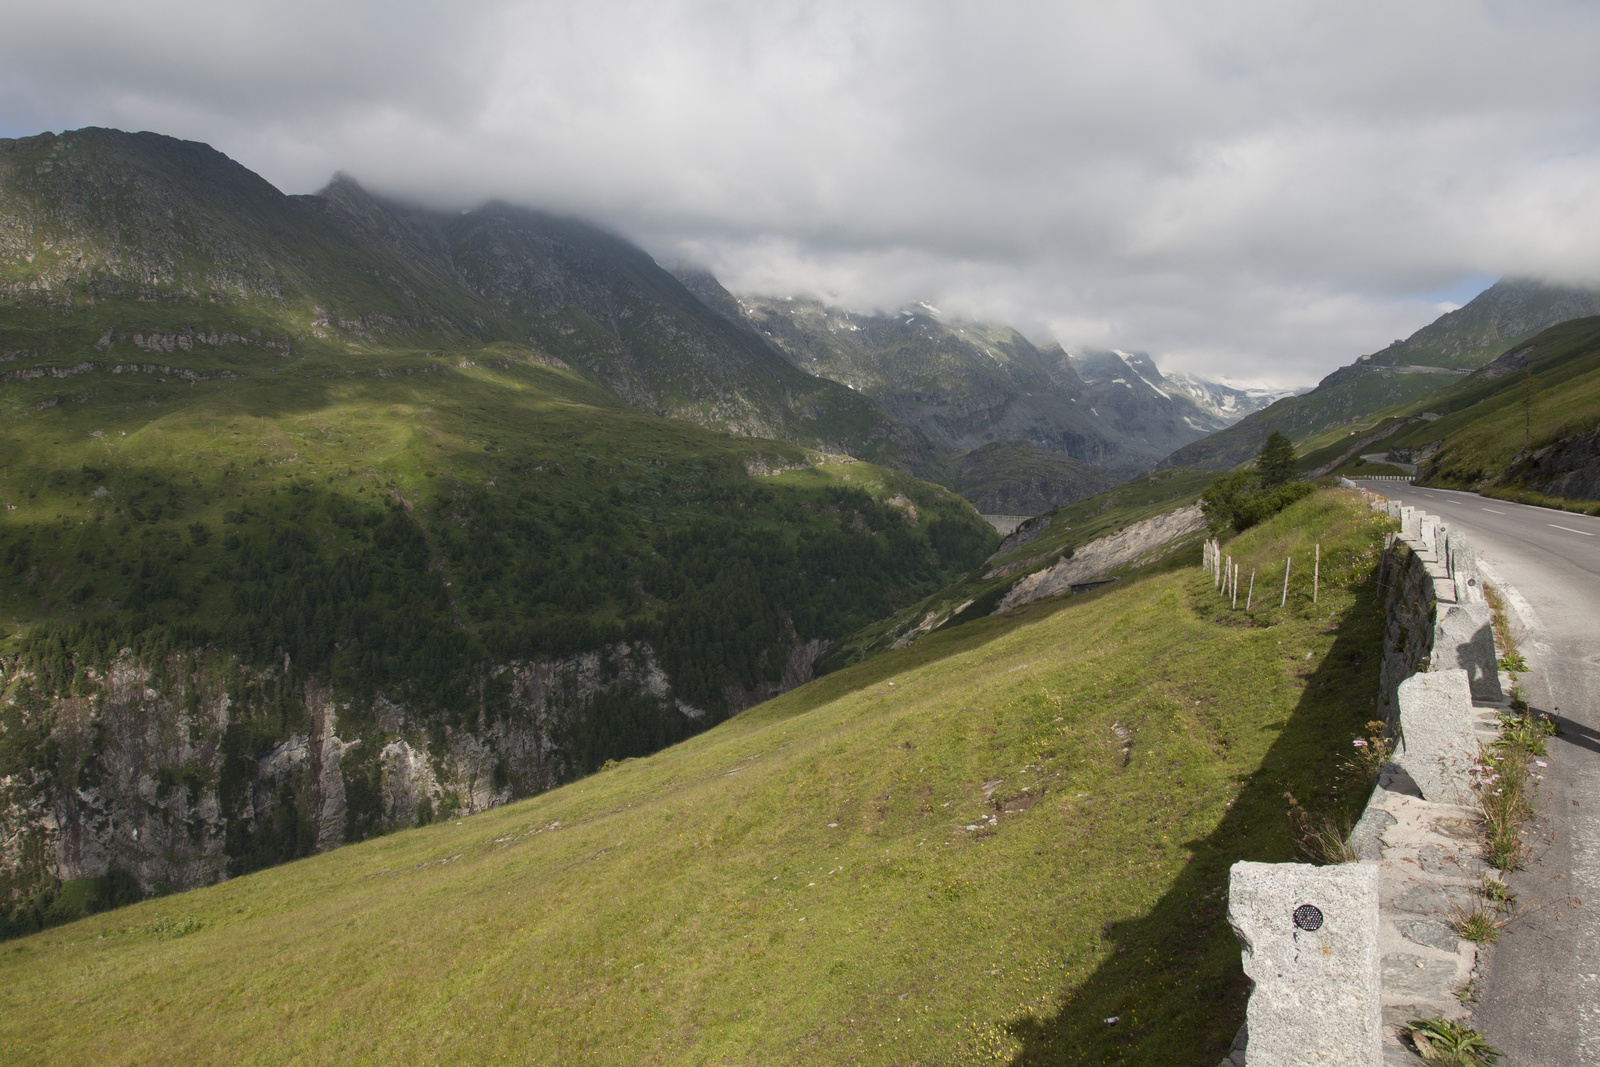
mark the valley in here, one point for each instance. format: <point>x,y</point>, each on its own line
<point>944,854</point>
<point>451,636</point>
<point>967,385</point>
<point>292,556</point>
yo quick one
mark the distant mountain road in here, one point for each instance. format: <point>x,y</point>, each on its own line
<point>1539,1000</point>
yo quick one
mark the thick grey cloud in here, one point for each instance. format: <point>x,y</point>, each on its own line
<point>1257,189</point>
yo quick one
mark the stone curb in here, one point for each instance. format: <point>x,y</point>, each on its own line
<point>1417,840</point>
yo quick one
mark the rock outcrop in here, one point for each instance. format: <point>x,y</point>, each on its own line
<point>158,771</point>
<point>1101,556</point>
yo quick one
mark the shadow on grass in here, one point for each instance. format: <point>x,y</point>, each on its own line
<point>1174,983</point>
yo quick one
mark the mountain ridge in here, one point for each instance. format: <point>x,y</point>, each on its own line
<point>324,516</point>
<point>189,220</point>
<point>1506,314</point>
<point>967,384</point>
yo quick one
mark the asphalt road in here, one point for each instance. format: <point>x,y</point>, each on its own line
<point>1539,998</point>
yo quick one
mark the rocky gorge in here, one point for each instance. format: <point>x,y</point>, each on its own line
<point>158,772</point>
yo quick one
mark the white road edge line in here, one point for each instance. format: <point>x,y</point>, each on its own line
<point>1569,529</point>
<point>1531,624</point>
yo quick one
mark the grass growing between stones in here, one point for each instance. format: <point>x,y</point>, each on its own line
<point>1505,786</point>
<point>1505,778</point>
<point>974,849</point>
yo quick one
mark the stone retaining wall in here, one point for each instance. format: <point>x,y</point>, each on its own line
<point>1372,944</point>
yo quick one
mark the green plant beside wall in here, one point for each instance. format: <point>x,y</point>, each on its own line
<point>1451,1044</point>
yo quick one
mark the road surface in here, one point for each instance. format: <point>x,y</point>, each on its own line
<point>1539,1000</point>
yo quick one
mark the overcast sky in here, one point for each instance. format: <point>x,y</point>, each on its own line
<point>1255,190</point>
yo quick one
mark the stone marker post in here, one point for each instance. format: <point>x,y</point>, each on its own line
<point>1464,571</point>
<point>1437,744</point>
<point>1310,945</point>
<point>1464,637</point>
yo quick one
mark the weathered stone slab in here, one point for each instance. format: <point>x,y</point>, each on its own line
<point>1464,570</point>
<point>1433,899</point>
<point>1464,638</point>
<point>1404,973</point>
<point>1436,730</point>
<point>1316,996</point>
<point>1366,839</point>
<point>1428,932</point>
<point>1409,521</point>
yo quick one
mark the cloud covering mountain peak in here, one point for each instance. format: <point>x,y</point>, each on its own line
<point>1266,189</point>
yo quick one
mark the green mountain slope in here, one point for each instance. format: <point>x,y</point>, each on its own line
<point>293,553</point>
<point>100,214</point>
<point>974,849</point>
<point>1508,312</point>
<point>1016,478</point>
<point>1034,546</point>
<point>1505,314</point>
<point>1527,425</point>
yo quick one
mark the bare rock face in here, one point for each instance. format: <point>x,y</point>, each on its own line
<point>131,789</point>
<point>148,779</point>
<point>1568,468</point>
<point>1105,554</point>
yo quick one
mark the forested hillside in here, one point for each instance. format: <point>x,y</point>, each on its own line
<point>296,550</point>
<point>973,849</point>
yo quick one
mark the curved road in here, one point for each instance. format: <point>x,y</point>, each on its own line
<point>1539,1000</point>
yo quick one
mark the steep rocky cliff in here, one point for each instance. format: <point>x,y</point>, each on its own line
<point>150,771</point>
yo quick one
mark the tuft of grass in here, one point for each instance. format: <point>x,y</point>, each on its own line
<point>1497,892</point>
<point>1501,783</point>
<point>1504,639</point>
<point>161,926</point>
<point>1448,1043</point>
<point>1513,663</point>
<point>1321,838</point>
<point>1526,733</point>
<point>1479,925</point>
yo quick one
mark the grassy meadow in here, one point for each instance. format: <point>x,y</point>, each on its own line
<point>974,849</point>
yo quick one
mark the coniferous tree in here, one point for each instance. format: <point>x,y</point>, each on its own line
<point>1275,463</point>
